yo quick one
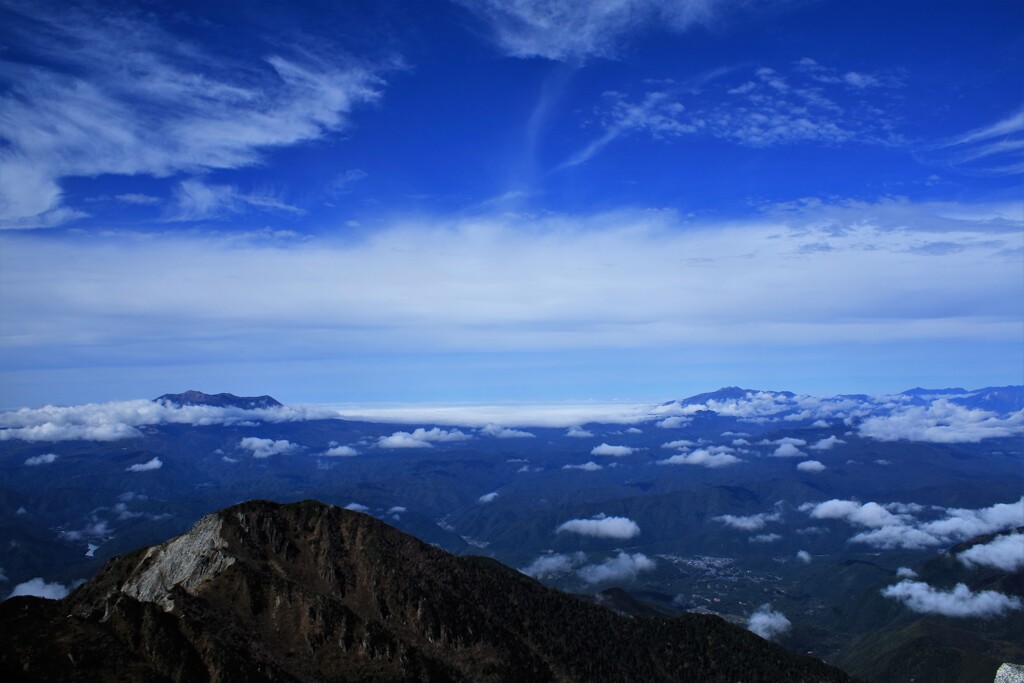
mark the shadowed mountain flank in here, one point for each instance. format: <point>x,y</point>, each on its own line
<point>310,592</point>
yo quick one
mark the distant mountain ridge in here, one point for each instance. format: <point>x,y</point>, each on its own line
<point>198,398</point>
<point>308,592</point>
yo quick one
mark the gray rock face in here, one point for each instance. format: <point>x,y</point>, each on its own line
<point>1010,673</point>
<point>188,561</point>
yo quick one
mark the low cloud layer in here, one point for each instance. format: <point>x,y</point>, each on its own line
<point>421,438</point>
<point>147,466</point>
<point>122,419</point>
<point>40,589</point>
<point>942,422</point>
<point>554,564</point>
<point>578,432</point>
<point>899,525</point>
<point>601,526</point>
<point>264,448</point>
<point>1005,552</point>
<point>44,459</point>
<point>590,466</point>
<point>812,466</point>
<point>749,522</point>
<point>500,432</point>
<point>718,456</point>
<point>958,602</point>
<point>622,567</point>
<point>614,451</point>
<point>768,623</point>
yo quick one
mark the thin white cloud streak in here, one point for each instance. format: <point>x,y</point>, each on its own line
<point>551,284</point>
<point>488,497</point>
<point>960,601</point>
<point>613,451</point>
<point>577,31</point>
<point>601,526</point>
<point>149,465</point>
<point>1005,552</point>
<point>590,466</point>
<point>518,415</point>
<point>118,94</point>
<point>748,522</point>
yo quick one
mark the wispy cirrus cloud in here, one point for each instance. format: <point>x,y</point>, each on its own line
<point>563,30</point>
<point>105,91</point>
<point>993,149</point>
<point>759,107</point>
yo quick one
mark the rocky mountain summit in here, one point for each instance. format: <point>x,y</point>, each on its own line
<point>309,592</point>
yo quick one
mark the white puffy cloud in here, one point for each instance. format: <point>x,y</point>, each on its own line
<point>704,457</point>
<point>40,589</point>
<point>590,466</point>
<point>121,419</point>
<point>768,623</point>
<point>421,438</point>
<point>862,514</point>
<point>958,602</point>
<point>622,567</point>
<point>357,507</point>
<point>601,526</point>
<point>401,440</point>
<point>487,497</point>
<point>341,451</point>
<point>1005,552</point>
<point>788,450</point>
<point>553,564</point>
<point>906,573</point>
<point>44,459</point>
<point>578,432</point>
<point>147,466</point>
<point>500,432</point>
<point>673,422</point>
<point>614,451</point>
<point>793,441</point>
<point>437,434</point>
<point>634,430</point>
<point>826,443</point>
<point>679,443</point>
<point>749,522</point>
<point>810,466</point>
<point>264,448</point>
<point>895,525</point>
<point>804,556</point>
<point>941,422</point>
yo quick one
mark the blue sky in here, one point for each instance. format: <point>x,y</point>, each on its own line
<point>523,200</point>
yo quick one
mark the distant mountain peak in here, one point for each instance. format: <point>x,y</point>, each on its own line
<point>198,398</point>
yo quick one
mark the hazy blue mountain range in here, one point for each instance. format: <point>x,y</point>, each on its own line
<point>772,509</point>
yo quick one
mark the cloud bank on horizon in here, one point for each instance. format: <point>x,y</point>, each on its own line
<point>656,188</point>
